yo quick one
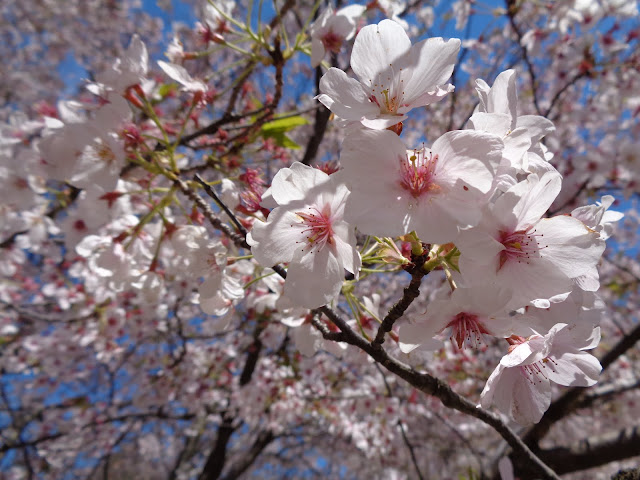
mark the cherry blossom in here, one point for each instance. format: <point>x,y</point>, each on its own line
<point>331,29</point>
<point>432,191</point>
<point>536,257</point>
<point>466,317</point>
<point>138,326</point>
<point>394,76</point>
<point>307,229</point>
<point>520,385</point>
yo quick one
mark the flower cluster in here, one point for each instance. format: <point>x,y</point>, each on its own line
<point>477,198</point>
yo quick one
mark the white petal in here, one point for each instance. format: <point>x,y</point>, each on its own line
<point>530,400</point>
<point>573,369</point>
<point>376,47</point>
<point>180,75</point>
<point>344,96</point>
<point>313,279</point>
<point>536,196</point>
<point>275,241</point>
<point>432,61</point>
<point>468,155</point>
<point>569,245</point>
<point>412,336</point>
<point>503,96</point>
<point>296,183</point>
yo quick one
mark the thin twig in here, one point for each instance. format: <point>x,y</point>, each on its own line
<point>221,204</point>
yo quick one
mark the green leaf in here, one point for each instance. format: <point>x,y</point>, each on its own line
<point>276,129</point>
<point>281,125</point>
<point>282,140</point>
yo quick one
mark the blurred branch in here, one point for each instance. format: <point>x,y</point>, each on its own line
<point>512,10</point>
<point>595,451</point>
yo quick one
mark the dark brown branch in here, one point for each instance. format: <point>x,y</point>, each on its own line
<point>411,292</point>
<point>319,127</point>
<point>437,388</point>
<point>216,460</point>
<point>512,10</point>
<point>594,452</point>
<point>263,439</point>
<point>559,93</point>
<point>29,443</point>
<point>206,210</point>
<point>606,393</point>
<point>253,353</point>
<point>221,204</point>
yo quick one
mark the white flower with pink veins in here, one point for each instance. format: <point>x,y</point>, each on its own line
<point>466,317</point>
<point>520,386</point>
<point>395,76</point>
<point>395,191</point>
<point>307,230</point>
<point>332,29</point>
<point>514,246</point>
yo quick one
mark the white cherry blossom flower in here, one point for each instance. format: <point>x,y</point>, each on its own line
<point>131,69</point>
<point>521,384</point>
<point>497,113</point>
<point>598,217</point>
<point>395,76</point>
<point>432,191</point>
<point>331,29</point>
<point>466,317</point>
<point>308,231</point>
<point>515,247</point>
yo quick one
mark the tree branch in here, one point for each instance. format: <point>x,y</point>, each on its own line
<point>593,452</point>
<point>263,439</point>
<point>216,460</point>
<point>437,388</point>
<point>411,292</point>
<point>319,127</point>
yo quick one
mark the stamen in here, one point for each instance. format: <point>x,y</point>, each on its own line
<point>467,330</point>
<point>520,246</point>
<point>417,173</point>
<point>316,227</point>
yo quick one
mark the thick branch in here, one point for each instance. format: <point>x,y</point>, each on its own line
<point>593,452</point>
<point>217,457</point>
<point>263,439</point>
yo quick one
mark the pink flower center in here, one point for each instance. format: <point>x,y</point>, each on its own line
<point>417,173</point>
<point>317,226</point>
<point>332,42</point>
<point>388,92</point>
<point>467,330</point>
<point>520,247</point>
